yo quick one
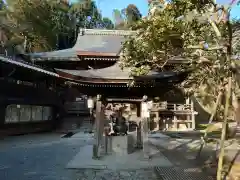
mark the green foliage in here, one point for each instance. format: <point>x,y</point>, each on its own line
<point>236,37</point>
<point>191,29</point>
<point>132,13</point>
<point>118,18</point>
<point>127,17</point>
<point>107,23</point>
<point>48,25</point>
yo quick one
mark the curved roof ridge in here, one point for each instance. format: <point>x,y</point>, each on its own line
<point>20,63</point>
<point>106,32</point>
<point>112,72</point>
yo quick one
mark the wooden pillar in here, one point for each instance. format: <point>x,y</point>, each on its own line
<point>157,121</point>
<point>144,126</point>
<point>138,129</point>
<point>138,109</point>
<point>189,124</point>
<point>193,116</point>
<point>107,142</point>
<point>175,124</point>
<point>139,137</point>
<point>98,129</point>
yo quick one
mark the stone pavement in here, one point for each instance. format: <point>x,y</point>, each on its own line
<point>45,156</point>
<point>117,161</point>
<point>119,158</point>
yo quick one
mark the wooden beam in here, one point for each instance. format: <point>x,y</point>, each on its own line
<point>92,53</point>
<point>124,100</point>
<point>72,77</point>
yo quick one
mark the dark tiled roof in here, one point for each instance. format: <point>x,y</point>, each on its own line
<point>66,54</point>
<point>105,41</point>
<point>27,66</point>
<point>89,40</point>
<point>112,72</point>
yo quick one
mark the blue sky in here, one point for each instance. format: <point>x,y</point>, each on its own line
<point>107,6</point>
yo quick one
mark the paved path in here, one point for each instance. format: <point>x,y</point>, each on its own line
<point>44,157</point>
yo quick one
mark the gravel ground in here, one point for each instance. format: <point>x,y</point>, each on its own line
<point>45,156</point>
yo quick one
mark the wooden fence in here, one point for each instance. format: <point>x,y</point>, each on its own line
<point>167,116</point>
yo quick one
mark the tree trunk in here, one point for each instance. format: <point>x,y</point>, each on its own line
<point>204,138</point>
<point>219,98</point>
<point>224,127</point>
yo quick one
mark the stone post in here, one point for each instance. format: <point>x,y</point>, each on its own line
<point>193,116</point>
<point>90,105</point>
<point>175,123</point>
<point>157,121</point>
<point>144,126</point>
<point>91,129</point>
<point>98,131</point>
<point>107,141</point>
<point>189,110</point>
<point>139,137</point>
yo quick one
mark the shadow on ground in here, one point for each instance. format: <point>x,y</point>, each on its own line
<point>182,150</point>
<point>186,166</point>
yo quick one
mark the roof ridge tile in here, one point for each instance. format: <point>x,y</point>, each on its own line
<point>107,32</point>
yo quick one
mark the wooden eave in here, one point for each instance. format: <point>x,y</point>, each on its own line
<point>28,67</point>
<point>99,54</point>
<point>75,78</point>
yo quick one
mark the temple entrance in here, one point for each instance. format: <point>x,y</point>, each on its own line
<point>123,115</point>
<point>118,142</point>
<point>119,127</point>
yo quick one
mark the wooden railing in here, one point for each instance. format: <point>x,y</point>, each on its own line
<point>171,116</point>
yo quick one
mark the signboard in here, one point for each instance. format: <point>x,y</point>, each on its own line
<point>146,107</point>
<point>145,110</point>
<point>79,99</point>
<point>90,103</point>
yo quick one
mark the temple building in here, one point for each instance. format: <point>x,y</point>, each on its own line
<point>91,67</point>
<point>29,100</point>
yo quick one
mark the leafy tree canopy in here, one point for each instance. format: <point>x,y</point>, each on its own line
<point>132,13</point>
<point>194,30</point>
<point>48,25</point>
<point>127,17</point>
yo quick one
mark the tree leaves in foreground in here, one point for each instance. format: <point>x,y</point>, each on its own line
<point>189,29</point>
